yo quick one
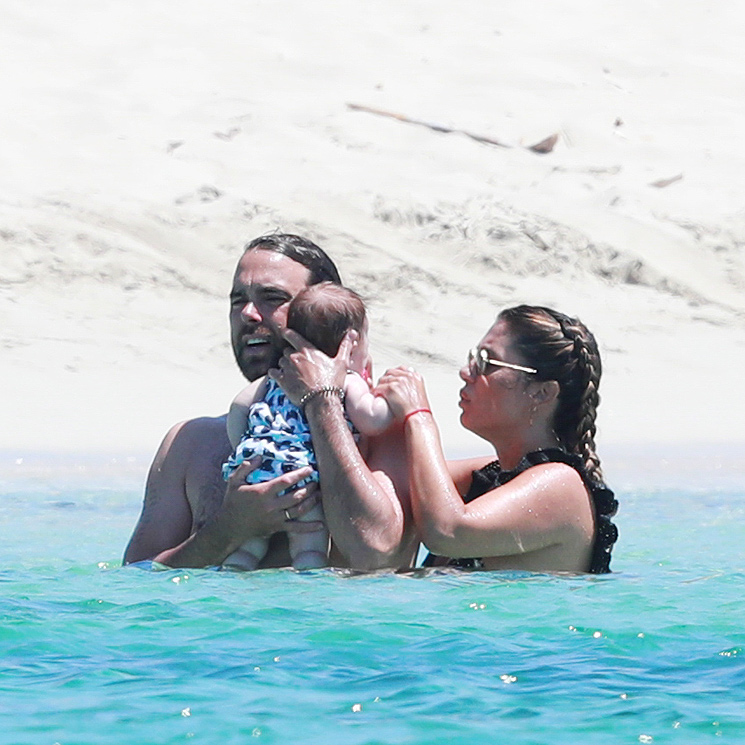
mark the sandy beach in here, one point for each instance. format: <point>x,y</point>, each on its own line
<point>142,144</point>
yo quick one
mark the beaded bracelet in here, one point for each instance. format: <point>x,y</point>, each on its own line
<point>326,390</point>
<point>416,411</point>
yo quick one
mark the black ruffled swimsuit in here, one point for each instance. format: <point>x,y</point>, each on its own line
<point>491,476</point>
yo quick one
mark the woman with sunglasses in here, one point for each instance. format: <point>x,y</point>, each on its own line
<point>531,390</point>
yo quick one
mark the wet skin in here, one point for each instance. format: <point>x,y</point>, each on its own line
<point>263,286</point>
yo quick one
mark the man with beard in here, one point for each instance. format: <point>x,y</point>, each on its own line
<point>191,518</point>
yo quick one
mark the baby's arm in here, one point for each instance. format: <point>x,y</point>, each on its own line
<point>238,412</point>
<point>368,412</point>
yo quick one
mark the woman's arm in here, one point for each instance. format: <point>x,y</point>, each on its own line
<point>461,471</point>
<point>368,412</point>
<point>533,511</point>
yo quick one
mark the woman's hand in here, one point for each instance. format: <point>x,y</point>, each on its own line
<point>403,389</point>
<point>305,368</point>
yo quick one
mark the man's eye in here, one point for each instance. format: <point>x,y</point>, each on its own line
<point>274,298</point>
<point>236,300</point>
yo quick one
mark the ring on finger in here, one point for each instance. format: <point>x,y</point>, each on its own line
<point>287,516</point>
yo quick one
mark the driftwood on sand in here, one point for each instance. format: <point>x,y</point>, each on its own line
<point>663,182</point>
<point>544,146</point>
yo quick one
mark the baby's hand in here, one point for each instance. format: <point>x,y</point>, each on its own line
<point>403,389</point>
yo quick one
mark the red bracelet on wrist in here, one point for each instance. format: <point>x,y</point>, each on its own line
<point>416,411</point>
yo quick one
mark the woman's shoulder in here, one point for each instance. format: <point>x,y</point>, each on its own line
<point>554,477</point>
<point>555,455</point>
<point>602,495</point>
<point>550,455</point>
<point>553,467</point>
<point>559,465</point>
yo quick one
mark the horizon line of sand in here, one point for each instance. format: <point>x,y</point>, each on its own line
<point>143,148</point>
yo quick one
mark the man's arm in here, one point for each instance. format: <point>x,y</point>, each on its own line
<point>365,503</point>
<point>165,520</point>
<point>362,508</point>
<point>190,457</point>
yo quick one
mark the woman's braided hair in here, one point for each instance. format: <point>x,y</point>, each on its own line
<point>563,349</point>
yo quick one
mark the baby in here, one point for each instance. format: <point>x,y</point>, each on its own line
<point>263,421</point>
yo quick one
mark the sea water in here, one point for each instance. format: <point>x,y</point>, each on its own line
<point>91,652</point>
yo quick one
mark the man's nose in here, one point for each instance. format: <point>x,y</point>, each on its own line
<point>250,312</point>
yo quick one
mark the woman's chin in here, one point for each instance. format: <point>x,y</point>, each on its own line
<point>471,427</point>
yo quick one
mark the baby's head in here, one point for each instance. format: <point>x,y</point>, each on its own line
<point>323,313</point>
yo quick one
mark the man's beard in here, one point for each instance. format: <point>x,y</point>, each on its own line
<point>256,361</point>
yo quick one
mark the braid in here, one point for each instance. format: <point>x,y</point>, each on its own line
<point>584,350</point>
<point>563,349</point>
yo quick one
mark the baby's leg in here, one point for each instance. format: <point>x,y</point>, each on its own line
<point>248,555</point>
<point>310,550</point>
<point>253,550</point>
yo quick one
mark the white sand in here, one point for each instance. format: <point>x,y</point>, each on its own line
<point>144,142</point>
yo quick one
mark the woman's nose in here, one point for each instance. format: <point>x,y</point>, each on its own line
<point>465,373</point>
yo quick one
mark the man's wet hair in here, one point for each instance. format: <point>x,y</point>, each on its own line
<point>302,250</point>
<point>324,312</point>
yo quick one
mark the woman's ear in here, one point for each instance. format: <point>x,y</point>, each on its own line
<point>545,392</point>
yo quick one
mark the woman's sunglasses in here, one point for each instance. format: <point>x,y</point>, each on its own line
<point>479,361</point>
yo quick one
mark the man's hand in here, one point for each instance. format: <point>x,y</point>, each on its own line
<point>260,510</point>
<point>305,368</point>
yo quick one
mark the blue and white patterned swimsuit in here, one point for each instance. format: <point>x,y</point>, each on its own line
<point>279,432</point>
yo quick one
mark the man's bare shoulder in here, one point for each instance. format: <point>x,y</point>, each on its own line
<point>184,486</point>
<point>191,444</point>
<point>197,434</point>
<point>203,425</point>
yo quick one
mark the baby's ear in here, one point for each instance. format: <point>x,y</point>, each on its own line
<point>347,344</point>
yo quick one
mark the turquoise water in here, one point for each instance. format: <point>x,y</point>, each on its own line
<point>94,653</point>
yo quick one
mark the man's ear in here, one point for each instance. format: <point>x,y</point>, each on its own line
<point>545,391</point>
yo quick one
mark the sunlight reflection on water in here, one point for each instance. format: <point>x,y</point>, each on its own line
<point>101,654</point>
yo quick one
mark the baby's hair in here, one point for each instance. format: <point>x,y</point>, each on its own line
<point>323,314</point>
